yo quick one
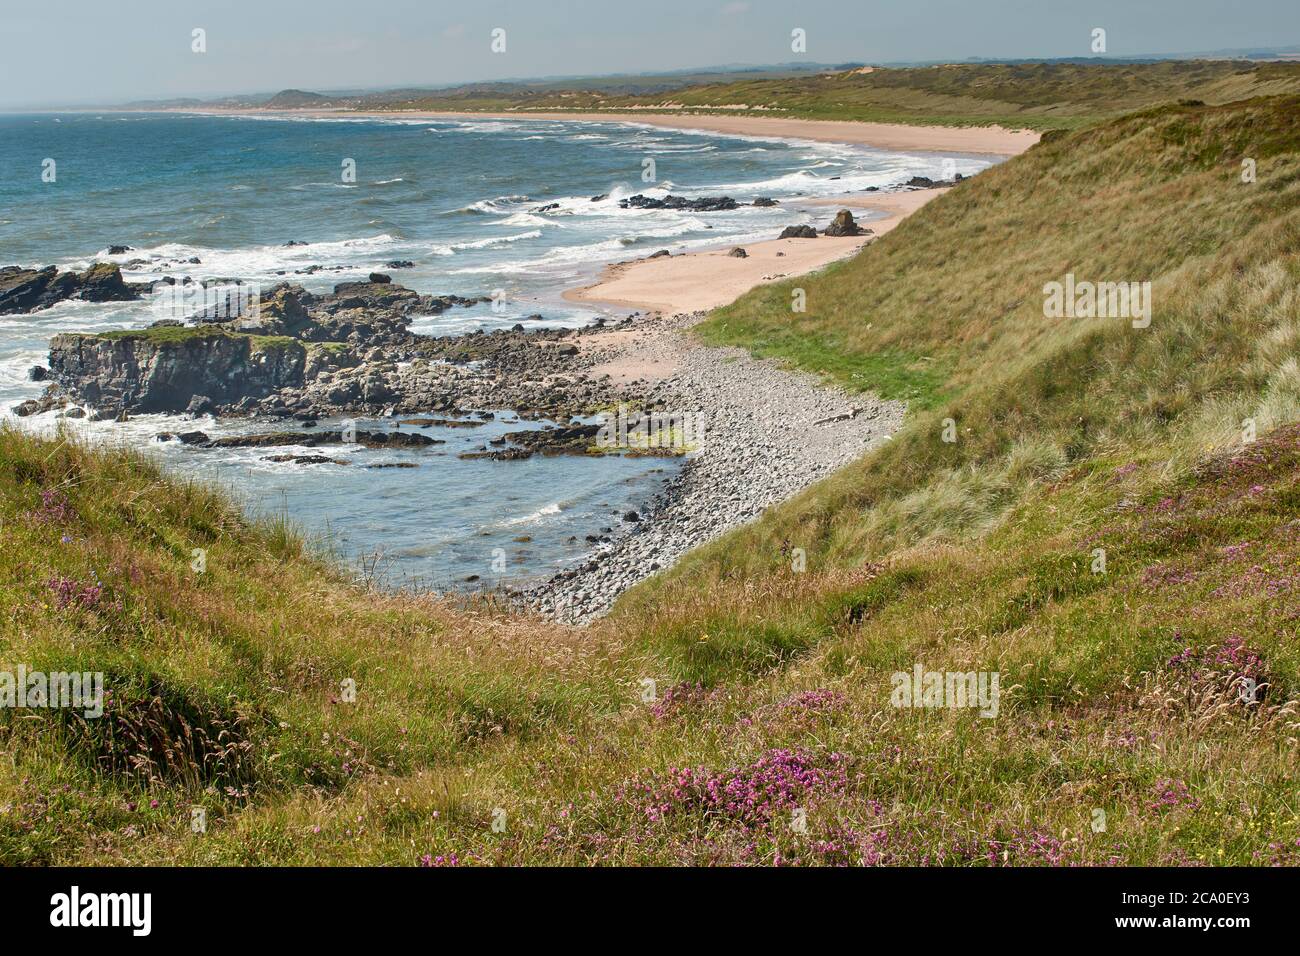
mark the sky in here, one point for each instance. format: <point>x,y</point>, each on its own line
<point>59,52</point>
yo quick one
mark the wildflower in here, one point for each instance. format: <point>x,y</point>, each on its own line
<point>780,780</point>
<point>1173,795</point>
<point>54,509</point>
<point>1158,576</point>
<point>68,591</point>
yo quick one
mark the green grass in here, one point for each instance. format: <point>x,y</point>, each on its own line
<point>1041,96</point>
<point>177,335</point>
<point>1121,685</point>
<point>891,373</point>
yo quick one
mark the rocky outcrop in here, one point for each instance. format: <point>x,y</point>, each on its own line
<point>28,290</point>
<point>163,370</point>
<point>925,182</point>
<point>371,313</point>
<point>562,440</point>
<point>703,204</point>
<point>844,225</point>
<point>363,439</point>
<point>798,232</point>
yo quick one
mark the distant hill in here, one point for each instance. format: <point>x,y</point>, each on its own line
<point>296,99</point>
<point>1058,94</point>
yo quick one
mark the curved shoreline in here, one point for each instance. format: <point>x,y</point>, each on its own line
<point>707,279</point>
<point>982,140</point>
<point>769,432</point>
<point>764,434</point>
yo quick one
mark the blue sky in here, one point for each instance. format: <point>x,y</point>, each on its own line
<point>65,51</point>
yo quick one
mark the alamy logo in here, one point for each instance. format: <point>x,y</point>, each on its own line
<point>103,909</point>
<point>953,689</point>
<point>211,302</point>
<point>58,689</point>
<point>1098,300</point>
<point>682,431</point>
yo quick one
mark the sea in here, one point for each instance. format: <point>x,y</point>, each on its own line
<point>513,208</point>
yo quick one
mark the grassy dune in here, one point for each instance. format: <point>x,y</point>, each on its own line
<point>738,709</point>
<point>1040,96</point>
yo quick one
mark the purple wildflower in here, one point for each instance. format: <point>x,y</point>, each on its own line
<point>69,592</point>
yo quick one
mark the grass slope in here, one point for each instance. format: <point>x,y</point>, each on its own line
<point>1041,96</point>
<point>1121,737</point>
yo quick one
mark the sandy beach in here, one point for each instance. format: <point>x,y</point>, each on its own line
<point>699,281</point>
<point>986,140</point>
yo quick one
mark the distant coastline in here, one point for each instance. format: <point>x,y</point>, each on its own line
<point>984,140</point>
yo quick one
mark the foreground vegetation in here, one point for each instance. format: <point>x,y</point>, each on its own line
<point>1041,96</point>
<point>1115,531</point>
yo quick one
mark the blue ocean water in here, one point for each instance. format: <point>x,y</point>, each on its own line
<point>464,201</point>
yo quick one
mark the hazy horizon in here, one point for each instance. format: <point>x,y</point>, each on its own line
<point>79,53</point>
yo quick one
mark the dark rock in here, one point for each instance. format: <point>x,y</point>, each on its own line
<point>925,182</point>
<point>37,373</point>
<point>765,201</point>
<point>798,232</point>
<point>564,440</point>
<point>399,264</point>
<point>631,516</point>
<point>185,438</point>
<point>364,439</point>
<point>102,282</point>
<point>844,225</point>
<point>380,278</point>
<point>306,459</point>
<point>199,405</point>
<point>118,250</point>
<point>151,374</point>
<point>703,204</point>
<point>27,290</point>
<point>738,253</point>
<point>441,422</point>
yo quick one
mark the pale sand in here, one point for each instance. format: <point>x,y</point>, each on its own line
<point>699,281</point>
<point>991,140</point>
